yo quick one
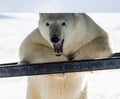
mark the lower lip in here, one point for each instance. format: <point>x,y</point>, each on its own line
<point>58,54</point>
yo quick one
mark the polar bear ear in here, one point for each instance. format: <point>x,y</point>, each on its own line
<point>75,14</point>
<point>78,14</point>
<point>40,14</point>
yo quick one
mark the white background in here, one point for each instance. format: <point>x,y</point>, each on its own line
<point>59,5</point>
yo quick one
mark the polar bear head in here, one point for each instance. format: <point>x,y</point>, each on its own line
<point>58,29</point>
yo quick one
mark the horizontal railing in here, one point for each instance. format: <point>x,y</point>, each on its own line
<point>15,69</point>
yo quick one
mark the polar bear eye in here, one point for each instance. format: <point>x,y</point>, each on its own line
<point>47,24</point>
<point>63,24</point>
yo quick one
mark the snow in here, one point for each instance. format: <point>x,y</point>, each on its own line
<point>12,32</point>
<point>14,27</point>
<point>13,88</point>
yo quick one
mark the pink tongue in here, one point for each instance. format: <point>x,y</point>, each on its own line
<point>58,49</point>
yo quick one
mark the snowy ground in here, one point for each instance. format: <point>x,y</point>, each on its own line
<point>13,29</point>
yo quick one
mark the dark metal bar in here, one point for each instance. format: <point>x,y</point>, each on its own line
<point>13,69</point>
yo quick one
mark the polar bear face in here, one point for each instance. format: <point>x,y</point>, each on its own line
<point>57,29</point>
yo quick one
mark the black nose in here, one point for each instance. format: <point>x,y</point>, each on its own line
<point>54,39</point>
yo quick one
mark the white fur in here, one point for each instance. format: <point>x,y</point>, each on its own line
<point>83,38</point>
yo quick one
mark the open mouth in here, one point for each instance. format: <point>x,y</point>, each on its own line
<point>58,48</point>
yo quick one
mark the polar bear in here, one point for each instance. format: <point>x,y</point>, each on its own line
<point>63,37</point>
